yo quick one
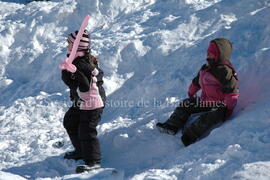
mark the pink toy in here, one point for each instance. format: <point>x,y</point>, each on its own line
<point>67,63</point>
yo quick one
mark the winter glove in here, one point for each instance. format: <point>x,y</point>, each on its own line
<point>67,66</point>
<point>230,100</point>
<point>192,90</point>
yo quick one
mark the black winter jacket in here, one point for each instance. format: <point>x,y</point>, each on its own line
<point>82,79</point>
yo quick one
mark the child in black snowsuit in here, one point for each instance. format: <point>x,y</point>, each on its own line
<point>88,98</point>
<point>219,84</point>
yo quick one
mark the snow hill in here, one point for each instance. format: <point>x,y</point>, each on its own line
<point>149,50</point>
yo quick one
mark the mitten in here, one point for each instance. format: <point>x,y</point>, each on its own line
<point>230,101</point>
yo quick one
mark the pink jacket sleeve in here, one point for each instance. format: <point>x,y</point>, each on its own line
<point>192,90</point>
<point>230,100</point>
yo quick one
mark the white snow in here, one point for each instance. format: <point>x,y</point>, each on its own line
<point>149,50</point>
<point>260,170</point>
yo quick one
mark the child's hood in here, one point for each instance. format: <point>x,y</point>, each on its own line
<point>225,49</point>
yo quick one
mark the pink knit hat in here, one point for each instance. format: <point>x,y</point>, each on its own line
<point>84,44</point>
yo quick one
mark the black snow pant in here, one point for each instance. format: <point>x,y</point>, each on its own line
<point>81,128</point>
<point>214,114</point>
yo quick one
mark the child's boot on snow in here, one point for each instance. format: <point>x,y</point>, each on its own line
<point>166,128</point>
<point>89,166</point>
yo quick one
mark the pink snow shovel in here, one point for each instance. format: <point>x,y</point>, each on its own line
<point>67,63</point>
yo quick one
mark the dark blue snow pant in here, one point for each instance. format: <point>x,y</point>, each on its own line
<point>81,128</point>
<point>214,114</point>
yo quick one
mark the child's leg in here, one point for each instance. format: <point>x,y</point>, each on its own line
<point>71,124</point>
<point>181,114</point>
<point>203,124</point>
<point>90,146</point>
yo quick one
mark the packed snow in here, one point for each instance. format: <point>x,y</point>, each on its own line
<point>149,50</point>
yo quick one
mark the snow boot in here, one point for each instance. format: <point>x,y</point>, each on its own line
<point>189,137</point>
<point>166,128</point>
<point>187,140</point>
<point>73,155</point>
<point>88,167</point>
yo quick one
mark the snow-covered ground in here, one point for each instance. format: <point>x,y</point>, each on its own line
<point>149,50</point>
